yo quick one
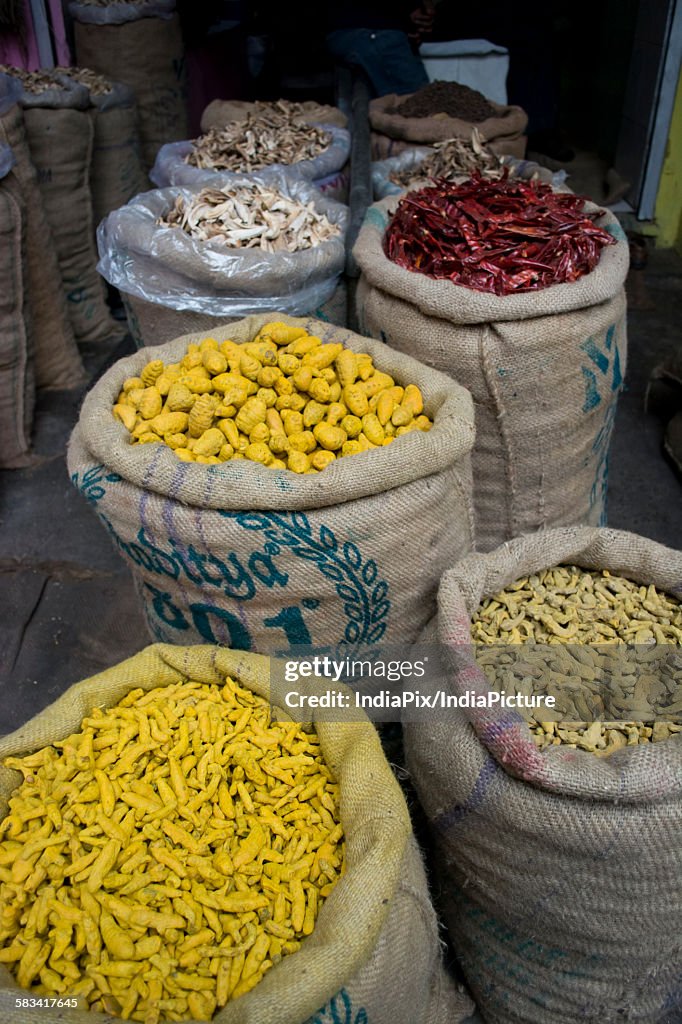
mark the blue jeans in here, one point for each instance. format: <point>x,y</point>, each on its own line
<point>384,55</point>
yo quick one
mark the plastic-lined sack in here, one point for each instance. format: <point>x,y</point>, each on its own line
<point>545,859</point>
<point>57,361</point>
<point>139,44</point>
<point>410,160</point>
<point>545,369</point>
<point>16,357</point>
<point>170,167</point>
<point>263,559</point>
<point>182,278</point>
<point>376,925</point>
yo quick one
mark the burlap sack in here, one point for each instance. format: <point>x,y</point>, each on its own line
<point>262,559</point>
<point>545,369</point>
<point>147,55</point>
<point>57,361</point>
<point>559,872</point>
<point>509,121</point>
<point>382,147</point>
<point>17,384</point>
<point>374,956</point>
<point>116,172</point>
<point>218,113</point>
<point>60,142</point>
<point>150,323</point>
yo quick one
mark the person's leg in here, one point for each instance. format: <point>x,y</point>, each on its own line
<point>384,55</point>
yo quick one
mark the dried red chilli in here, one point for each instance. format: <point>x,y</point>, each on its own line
<point>502,236</point>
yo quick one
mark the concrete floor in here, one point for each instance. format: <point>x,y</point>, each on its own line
<point>69,607</point>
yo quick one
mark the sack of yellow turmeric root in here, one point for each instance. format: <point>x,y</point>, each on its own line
<point>554,829</point>
<point>271,505</point>
<point>173,849</point>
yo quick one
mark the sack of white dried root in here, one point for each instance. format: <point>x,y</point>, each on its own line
<point>264,559</point>
<point>176,280</point>
<point>545,859</point>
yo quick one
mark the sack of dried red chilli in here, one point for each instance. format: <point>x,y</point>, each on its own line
<point>517,292</point>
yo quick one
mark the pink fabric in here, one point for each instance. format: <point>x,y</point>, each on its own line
<point>59,43</point>
<point>24,53</point>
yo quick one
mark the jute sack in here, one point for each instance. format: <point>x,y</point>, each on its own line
<point>60,132</point>
<point>545,369</point>
<point>146,53</point>
<point>263,559</point>
<point>17,385</point>
<point>219,113</point>
<point>508,121</point>
<point>151,323</point>
<point>57,361</point>
<point>559,872</point>
<point>374,956</point>
<point>116,173</point>
<point>383,146</point>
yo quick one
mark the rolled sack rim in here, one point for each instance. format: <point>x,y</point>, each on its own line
<point>154,467</point>
<point>448,301</point>
<point>633,775</point>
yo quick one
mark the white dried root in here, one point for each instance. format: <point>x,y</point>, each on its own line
<point>251,217</point>
<point>41,81</point>
<point>605,647</point>
<point>263,139</point>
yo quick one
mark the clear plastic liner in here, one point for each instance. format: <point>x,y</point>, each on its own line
<point>65,93</point>
<point>166,266</point>
<point>119,13</point>
<point>411,159</point>
<point>7,160</point>
<point>170,167</point>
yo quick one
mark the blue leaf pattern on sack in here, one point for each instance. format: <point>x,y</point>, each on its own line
<point>339,1010</point>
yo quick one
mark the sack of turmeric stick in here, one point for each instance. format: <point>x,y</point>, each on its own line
<point>312,531</point>
<point>179,851</point>
<point>545,368</point>
<point>558,843</point>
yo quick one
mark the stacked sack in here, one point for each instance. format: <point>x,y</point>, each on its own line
<point>60,131</point>
<point>16,356</point>
<point>440,111</point>
<point>57,361</point>
<point>116,173</point>
<point>187,259</point>
<point>139,44</point>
